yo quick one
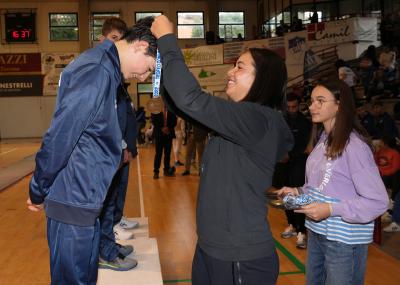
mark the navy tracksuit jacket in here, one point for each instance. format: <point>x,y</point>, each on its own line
<point>79,155</point>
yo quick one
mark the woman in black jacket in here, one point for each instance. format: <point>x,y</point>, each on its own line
<point>235,244</point>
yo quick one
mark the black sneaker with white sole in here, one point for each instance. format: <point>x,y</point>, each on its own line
<point>121,263</point>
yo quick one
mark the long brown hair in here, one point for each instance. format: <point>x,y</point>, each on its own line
<point>346,120</point>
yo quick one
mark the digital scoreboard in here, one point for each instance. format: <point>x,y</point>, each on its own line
<point>20,27</point>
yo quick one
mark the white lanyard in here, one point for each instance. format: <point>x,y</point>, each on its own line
<point>156,78</point>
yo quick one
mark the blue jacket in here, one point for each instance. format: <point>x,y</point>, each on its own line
<point>127,119</point>
<point>81,151</point>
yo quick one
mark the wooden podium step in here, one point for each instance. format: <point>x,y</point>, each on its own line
<point>143,229</point>
<point>147,272</point>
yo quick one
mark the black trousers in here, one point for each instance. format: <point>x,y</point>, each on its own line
<point>207,270</point>
<point>163,145</point>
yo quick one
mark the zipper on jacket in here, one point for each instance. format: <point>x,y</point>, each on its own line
<point>239,276</point>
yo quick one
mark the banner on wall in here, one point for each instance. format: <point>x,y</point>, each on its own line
<point>53,64</point>
<point>20,62</point>
<point>233,50</point>
<point>341,31</point>
<point>21,85</point>
<point>211,75</point>
<point>204,55</point>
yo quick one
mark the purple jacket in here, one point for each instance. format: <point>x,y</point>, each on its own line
<point>353,178</point>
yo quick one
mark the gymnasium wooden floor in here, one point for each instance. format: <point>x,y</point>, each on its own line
<point>169,203</point>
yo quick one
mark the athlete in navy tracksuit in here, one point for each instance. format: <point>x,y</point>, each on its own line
<point>81,151</point>
<point>76,163</point>
<point>115,199</point>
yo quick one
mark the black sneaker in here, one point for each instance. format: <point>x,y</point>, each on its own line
<point>178,163</point>
<point>186,172</point>
<point>125,250</point>
<point>119,264</point>
<point>156,175</point>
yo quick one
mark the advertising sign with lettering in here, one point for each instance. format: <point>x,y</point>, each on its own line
<point>53,64</point>
<point>20,62</point>
<point>341,31</point>
<point>204,55</point>
<point>21,85</point>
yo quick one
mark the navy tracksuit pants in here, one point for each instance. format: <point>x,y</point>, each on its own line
<point>74,253</point>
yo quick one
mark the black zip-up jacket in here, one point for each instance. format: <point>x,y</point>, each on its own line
<point>237,165</point>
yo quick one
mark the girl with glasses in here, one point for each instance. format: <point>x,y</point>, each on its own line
<point>344,181</point>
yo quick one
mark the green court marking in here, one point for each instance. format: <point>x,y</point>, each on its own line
<point>291,257</point>
<point>287,253</point>
<point>178,281</point>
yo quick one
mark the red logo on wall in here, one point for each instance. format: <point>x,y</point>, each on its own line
<point>312,29</point>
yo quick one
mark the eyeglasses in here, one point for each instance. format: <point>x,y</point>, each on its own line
<point>319,102</point>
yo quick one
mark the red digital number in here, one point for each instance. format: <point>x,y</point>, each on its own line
<point>15,34</point>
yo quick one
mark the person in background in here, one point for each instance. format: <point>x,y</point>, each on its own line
<point>388,160</point>
<point>178,140</point>
<point>113,255</point>
<point>295,166</point>
<point>81,151</point>
<point>235,244</point>
<point>344,182</point>
<point>141,124</point>
<point>347,75</point>
<point>164,132</point>
<point>196,141</point>
<point>383,122</point>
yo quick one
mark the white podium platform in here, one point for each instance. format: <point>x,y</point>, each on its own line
<point>147,272</point>
<point>143,229</point>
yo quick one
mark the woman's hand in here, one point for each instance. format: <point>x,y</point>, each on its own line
<point>286,190</point>
<point>316,211</point>
<point>161,26</point>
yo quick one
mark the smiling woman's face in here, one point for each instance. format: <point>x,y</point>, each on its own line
<point>241,78</point>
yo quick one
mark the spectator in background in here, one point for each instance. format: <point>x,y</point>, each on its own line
<point>383,122</point>
<point>141,124</point>
<point>178,140</point>
<point>367,121</point>
<point>368,65</point>
<point>347,75</point>
<point>196,141</point>
<point>295,167</point>
<point>388,160</point>
<point>164,132</point>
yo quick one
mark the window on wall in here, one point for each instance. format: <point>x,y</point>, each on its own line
<point>190,25</point>
<point>306,16</point>
<point>97,23</point>
<point>63,27</point>
<point>230,24</point>
<point>141,15</point>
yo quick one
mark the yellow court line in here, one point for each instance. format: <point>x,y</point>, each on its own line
<point>8,151</point>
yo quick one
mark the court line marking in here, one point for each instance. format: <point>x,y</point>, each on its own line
<point>291,257</point>
<point>142,214</point>
<point>1,153</point>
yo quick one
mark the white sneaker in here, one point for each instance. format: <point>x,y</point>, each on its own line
<point>127,224</point>
<point>391,204</point>
<point>122,234</point>
<point>301,241</point>
<point>393,227</point>
<point>386,218</point>
<point>288,232</point>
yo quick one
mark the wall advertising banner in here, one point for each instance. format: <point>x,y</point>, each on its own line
<point>53,64</point>
<point>21,85</point>
<point>209,76</point>
<point>233,50</point>
<point>204,55</point>
<point>341,31</point>
<point>20,62</point>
